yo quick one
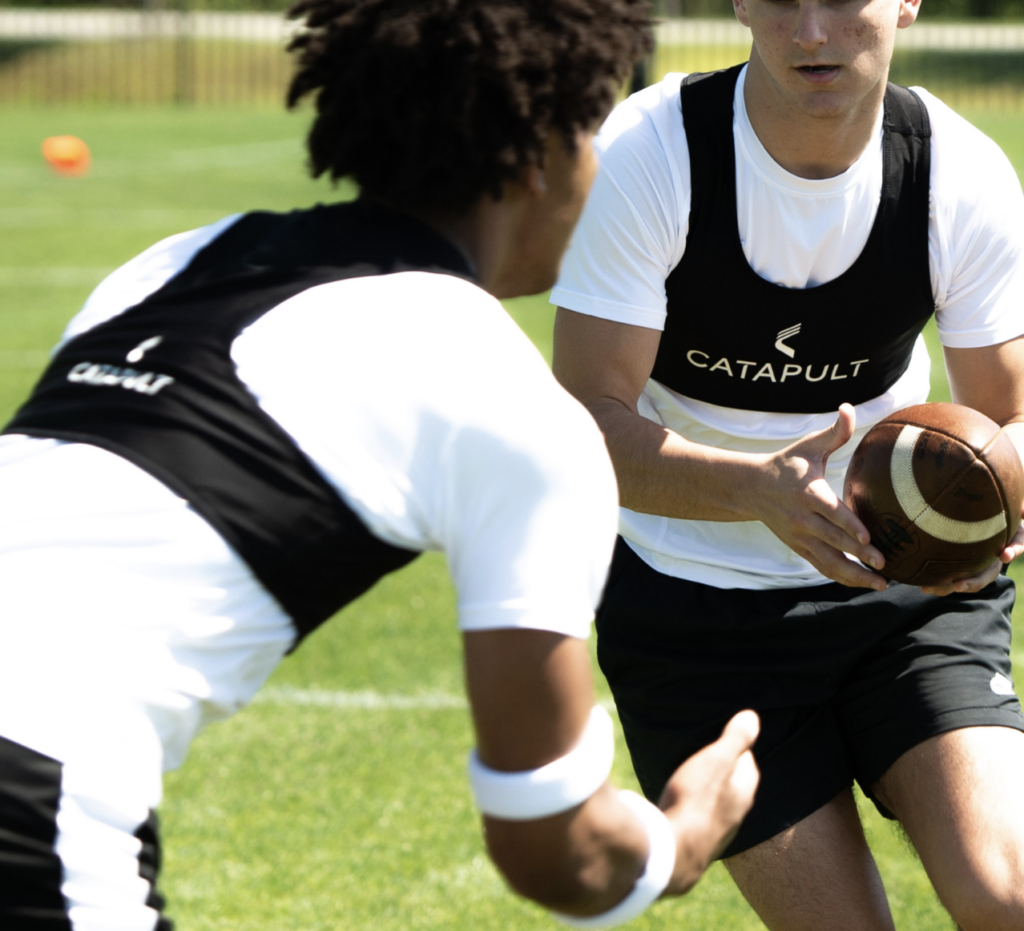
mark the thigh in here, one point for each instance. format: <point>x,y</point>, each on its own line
<point>959,799</point>
<point>818,874</point>
<point>72,858</point>
<point>681,658</point>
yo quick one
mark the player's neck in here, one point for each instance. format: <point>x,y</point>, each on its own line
<point>490,235</point>
<point>478,235</point>
<point>814,145</point>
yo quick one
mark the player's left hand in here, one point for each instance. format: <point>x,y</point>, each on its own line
<point>977,582</point>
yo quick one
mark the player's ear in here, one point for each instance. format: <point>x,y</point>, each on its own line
<point>908,13</point>
<point>739,7</point>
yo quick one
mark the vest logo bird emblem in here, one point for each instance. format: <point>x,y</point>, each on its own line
<point>103,375</point>
<point>139,351</point>
<point>785,334</point>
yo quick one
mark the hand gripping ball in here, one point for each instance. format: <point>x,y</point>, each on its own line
<point>939,488</point>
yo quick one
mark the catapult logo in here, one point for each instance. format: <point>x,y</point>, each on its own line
<point>777,373</point>
<point>783,335</point>
<point>113,376</point>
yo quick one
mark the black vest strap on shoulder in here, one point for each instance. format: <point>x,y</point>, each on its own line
<point>737,340</point>
<point>157,385</point>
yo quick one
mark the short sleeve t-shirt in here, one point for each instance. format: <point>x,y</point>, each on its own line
<point>420,402</point>
<point>798,233</point>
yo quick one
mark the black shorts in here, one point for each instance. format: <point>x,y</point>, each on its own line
<point>845,680</point>
<point>39,890</point>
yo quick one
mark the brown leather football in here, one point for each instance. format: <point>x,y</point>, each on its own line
<point>939,487</point>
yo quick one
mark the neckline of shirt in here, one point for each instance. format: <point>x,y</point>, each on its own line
<point>863,171</point>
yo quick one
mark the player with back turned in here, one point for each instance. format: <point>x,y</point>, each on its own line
<point>763,247</point>
<point>249,424</point>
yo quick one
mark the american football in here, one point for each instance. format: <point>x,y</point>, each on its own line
<point>939,487</point>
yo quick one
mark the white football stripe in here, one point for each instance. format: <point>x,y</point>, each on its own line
<point>918,510</point>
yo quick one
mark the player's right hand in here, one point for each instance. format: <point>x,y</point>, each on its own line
<point>708,797</point>
<point>796,503</point>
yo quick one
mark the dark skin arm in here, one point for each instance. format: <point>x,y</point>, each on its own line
<point>531,695</point>
<point>605,365</point>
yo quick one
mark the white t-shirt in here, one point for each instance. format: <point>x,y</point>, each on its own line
<point>798,233</point>
<point>109,577</point>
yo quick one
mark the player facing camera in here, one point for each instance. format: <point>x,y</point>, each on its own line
<point>204,468</point>
<point>761,250</point>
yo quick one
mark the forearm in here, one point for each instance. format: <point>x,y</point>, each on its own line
<point>615,846</point>
<point>605,366</point>
<point>556,829</point>
<point>533,703</point>
<point>588,860</point>
<point>659,472</point>
<point>582,862</point>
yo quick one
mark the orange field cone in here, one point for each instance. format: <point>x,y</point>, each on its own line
<point>66,155</point>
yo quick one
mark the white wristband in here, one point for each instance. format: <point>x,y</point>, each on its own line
<point>661,860</point>
<point>549,790</point>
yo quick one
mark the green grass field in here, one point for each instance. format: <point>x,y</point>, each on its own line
<point>338,800</point>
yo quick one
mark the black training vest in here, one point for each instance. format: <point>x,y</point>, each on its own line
<point>156,385</point>
<point>734,339</point>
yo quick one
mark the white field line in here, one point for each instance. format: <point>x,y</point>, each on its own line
<point>367,700</point>
<point>51,277</point>
<point>358,701</point>
<point>103,25</point>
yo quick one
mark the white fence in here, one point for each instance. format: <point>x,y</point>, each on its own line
<point>103,25</point>
<point>969,65</point>
<point>76,56</point>
<point>98,25</point>
<point>947,36</point>
<point>162,56</point>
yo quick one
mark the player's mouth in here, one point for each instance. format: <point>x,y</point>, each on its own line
<point>819,74</point>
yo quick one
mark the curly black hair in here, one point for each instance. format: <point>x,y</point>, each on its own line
<point>435,103</point>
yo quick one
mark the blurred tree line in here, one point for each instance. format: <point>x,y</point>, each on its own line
<point>931,9</point>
